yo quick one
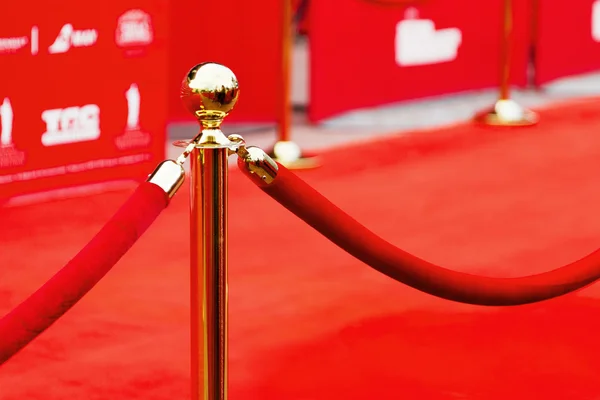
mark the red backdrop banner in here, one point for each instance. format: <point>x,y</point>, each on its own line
<point>366,53</point>
<point>82,93</point>
<point>568,38</point>
<point>243,35</point>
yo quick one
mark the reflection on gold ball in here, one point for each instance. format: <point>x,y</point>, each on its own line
<point>210,90</point>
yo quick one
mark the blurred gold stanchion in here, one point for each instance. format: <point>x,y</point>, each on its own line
<point>506,111</point>
<point>286,151</point>
<point>209,91</point>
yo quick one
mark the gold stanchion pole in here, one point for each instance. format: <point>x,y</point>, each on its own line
<point>209,91</point>
<point>286,151</point>
<point>506,111</point>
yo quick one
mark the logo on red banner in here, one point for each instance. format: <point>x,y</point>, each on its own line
<point>6,119</point>
<point>596,21</point>
<point>9,156</point>
<point>419,43</point>
<point>11,45</point>
<point>71,125</point>
<point>69,37</point>
<point>133,136</point>
<point>134,28</point>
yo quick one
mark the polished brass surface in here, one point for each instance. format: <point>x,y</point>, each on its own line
<point>257,164</point>
<point>169,176</point>
<point>209,91</point>
<point>508,113</point>
<point>207,138</point>
<point>189,146</point>
<point>289,154</point>
<point>214,138</point>
<point>286,151</point>
<point>506,49</point>
<point>208,274</point>
<point>285,101</point>
<point>237,141</point>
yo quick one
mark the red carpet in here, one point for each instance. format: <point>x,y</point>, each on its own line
<point>309,322</point>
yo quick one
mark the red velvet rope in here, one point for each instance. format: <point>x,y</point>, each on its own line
<point>80,275</point>
<point>309,205</point>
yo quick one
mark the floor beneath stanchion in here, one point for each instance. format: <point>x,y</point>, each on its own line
<point>310,322</point>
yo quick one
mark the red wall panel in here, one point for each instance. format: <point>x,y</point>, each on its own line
<point>568,38</point>
<point>366,54</point>
<point>243,35</point>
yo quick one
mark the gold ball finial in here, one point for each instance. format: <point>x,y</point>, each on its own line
<point>210,91</point>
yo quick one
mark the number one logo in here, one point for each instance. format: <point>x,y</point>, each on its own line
<point>133,107</point>
<point>6,119</point>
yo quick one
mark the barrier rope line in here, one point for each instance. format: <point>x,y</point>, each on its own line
<point>324,216</point>
<point>41,309</point>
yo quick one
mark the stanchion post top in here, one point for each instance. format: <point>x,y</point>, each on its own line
<point>210,91</point>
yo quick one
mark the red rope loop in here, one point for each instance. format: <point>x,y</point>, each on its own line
<point>40,310</point>
<point>312,207</point>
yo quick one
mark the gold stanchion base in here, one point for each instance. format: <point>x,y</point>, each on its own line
<point>507,113</point>
<point>289,154</point>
